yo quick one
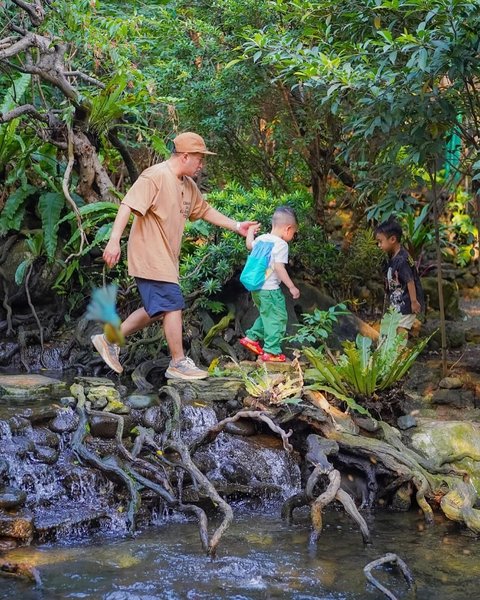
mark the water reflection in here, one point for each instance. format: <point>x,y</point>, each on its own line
<point>260,557</point>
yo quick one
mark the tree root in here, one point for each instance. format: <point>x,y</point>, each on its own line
<point>20,570</point>
<point>136,472</point>
<point>139,375</point>
<point>316,454</point>
<point>457,505</point>
<point>389,558</point>
<point>211,434</point>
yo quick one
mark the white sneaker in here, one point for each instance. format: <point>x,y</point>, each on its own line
<point>109,352</point>
<point>184,368</point>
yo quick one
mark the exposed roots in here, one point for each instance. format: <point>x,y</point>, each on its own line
<point>389,558</point>
<point>318,449</point>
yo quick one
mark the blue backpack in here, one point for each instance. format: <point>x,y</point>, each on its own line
<point>254,272</point>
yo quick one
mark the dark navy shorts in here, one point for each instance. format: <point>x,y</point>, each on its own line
<point>159,296</point>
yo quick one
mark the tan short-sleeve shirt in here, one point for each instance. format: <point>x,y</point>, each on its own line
<point>161,204</point>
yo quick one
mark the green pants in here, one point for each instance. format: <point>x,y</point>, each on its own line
<point>271,325</point>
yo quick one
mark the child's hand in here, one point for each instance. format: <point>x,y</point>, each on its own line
<point>416,308</point>
<point>254,229</point>
<point>295,292</point>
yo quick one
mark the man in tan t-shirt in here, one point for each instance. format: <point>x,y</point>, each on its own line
<point>162,199</point>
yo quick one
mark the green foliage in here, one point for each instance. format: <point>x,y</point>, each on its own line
<point>363,370</point>
<point>211,256</point>
<point>359,263</point>
<point>50,206</point>
<point>34,250</point>
<point>317,326</point>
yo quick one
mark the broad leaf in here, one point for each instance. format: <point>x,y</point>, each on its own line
<point>50,206</point>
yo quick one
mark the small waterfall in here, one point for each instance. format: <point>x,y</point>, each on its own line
<point>258,464</point>
<point>63,498</point>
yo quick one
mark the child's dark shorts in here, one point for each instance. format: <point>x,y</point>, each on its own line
<point>160,296</point>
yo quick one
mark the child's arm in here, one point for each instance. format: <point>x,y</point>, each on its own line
<point>412,292</point>
<point>252,231</point>
<point>281,271</point>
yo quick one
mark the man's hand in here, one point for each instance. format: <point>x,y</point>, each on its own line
<point>295,292</point>
<point>243,227</point>
<point>416,307</point>
<point>111,254</point>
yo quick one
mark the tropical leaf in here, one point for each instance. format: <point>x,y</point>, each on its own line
<point>12,213</point>
<point>50,206</point>
<point>22,271</point>
<point>15,93</point>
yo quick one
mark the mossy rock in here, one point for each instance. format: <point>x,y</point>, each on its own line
<point>451,296</point>
<point>450,442</point>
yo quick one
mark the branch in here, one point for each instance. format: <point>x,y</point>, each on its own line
<point>125,154</point>
<point>85,77</point>
<point>25,109</point>
<point>35,11</point>
<point>66,192</point>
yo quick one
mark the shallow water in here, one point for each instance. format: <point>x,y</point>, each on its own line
<point>259,557</point>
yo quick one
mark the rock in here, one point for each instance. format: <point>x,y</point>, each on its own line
<point>472,335</point>
<point>140,401</point>
<point>18,424</point>
<point>11,497</point>
<point>244,427</point>
<point>18,526</point>
<point>104,425</point>
<point>450,294</point>
<point>455,443</point>
<point>406,422</point>
<point>367,423</point>
<point>66,421</point>
<point>93,382</point>
<point>37,414</point>
<point>213,389</point>
<point>402,498</point>
<point>117,408</point>
<point>468,280</point>
<point>3,469</point>
<point>101,395</point>
<point>68,401</point>
<point>29,386</point>
<point>23,446</point>
<point>44,437</point>
<point>154,418</point>
<point>453,397</point>
<point>451,383</point>
<point>46,455</point>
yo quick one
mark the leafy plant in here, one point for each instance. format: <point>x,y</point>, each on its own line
<point>363,370</point>
<point>317,326</point>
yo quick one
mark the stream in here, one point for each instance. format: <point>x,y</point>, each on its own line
<point>260,557</point>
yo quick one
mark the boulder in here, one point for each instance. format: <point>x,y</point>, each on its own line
<point>141,402</point>
<point>11,498</point>
<point>103,425</point>
<point>450,442</point>
<point>451,383</point>
<point>29,386</point>
<point>46,455</point>
<point>406,422</point>
<point>451,296</point>
<point>17,526</point>
<point>66,421</point>
<point>454,397</point>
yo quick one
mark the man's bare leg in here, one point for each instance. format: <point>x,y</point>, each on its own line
<point>172,326</point>
<point>138,320</point>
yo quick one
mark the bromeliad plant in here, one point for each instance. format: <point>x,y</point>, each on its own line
<point>363,370</point>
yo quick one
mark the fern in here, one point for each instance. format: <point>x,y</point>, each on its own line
<point>13,211</point>
<point>50,206</point>
<point>359,372</point>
